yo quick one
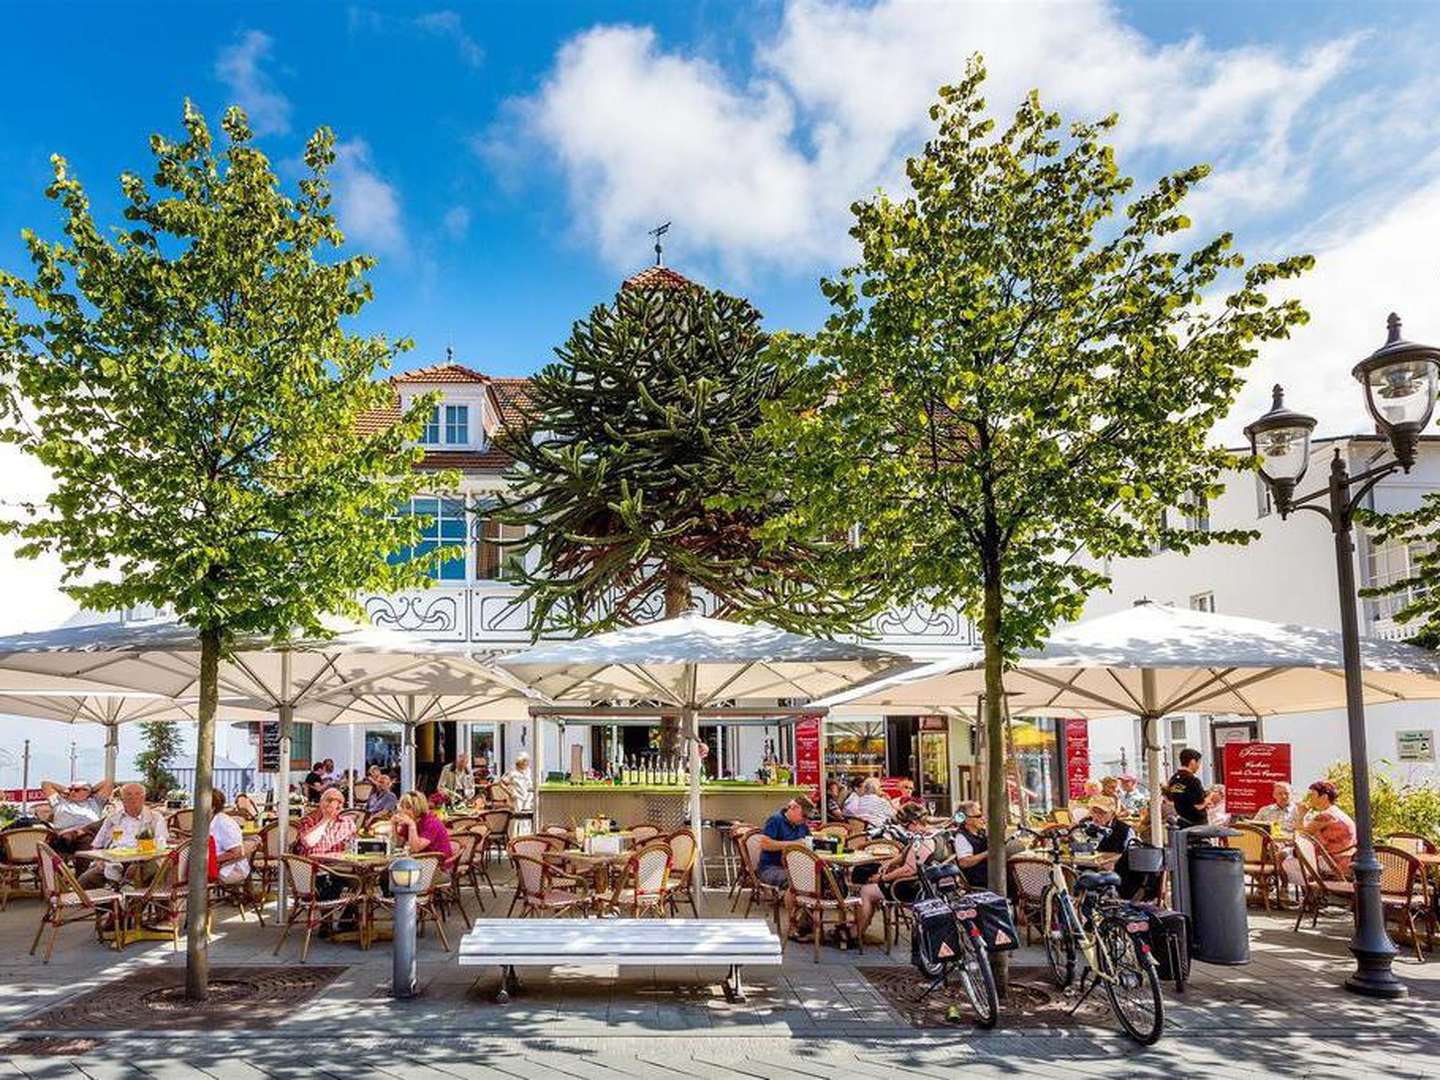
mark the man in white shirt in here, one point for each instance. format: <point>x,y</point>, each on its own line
<point>75,812</point>
<point>870,805</point>
<point>122,829</point>
<point>520,783</point>
<point>229,842</point>
<point>457,779</point>
<point>1281,810</point>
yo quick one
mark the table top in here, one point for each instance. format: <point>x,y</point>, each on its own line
<point>847,858</point>
<point>1429,858</point>
<point>122,855</point>
<point>593,858</point>
<point>368,859</point>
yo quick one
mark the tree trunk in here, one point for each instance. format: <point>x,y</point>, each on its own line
<point>678,600</point>
<point>197,944</point>
<point>997,795</point>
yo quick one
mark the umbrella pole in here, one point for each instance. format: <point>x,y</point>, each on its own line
<point>112,750</point>
<point>350,783</point>
<point>407,747</point>
<point>1150,737</point>
<point>282,781</point>
<point>690,724</point>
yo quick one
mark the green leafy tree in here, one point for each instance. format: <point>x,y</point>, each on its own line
<point>628,466</point>
<point>162,747</point>
<point>189,385</point>
<point>1396,805</point>
<point>1418,530</point>
<point>1025,367</point>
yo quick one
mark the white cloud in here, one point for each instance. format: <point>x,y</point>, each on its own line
<point>457,222</point>
<point>239,67</point>
<point>367,206</point>
<point>33,600</point>
<point>449,24</point>
<point>762,170</point>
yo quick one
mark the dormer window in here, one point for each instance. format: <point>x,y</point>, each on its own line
<point>430,435</point>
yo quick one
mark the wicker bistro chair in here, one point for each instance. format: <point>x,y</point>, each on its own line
<point>1405,894</point>
<point>1322,885</point>
<point>355,814</point>
<point>1029,874</point>
<point>816,892</point>
<point>643,886</point>
<point>683,851</point>
<point>265,860</point>
<point>740,880</point>
<point>473,870</point>
<point>67,902</point>
<point>760,892</point>
<point>20,860</point>
<point>1414,843</point>
<point>427,900</point>
<point>643,834</point>
<point>498,822</point>
<point>464,823</point>
<point>165,900</point>
<point>465,845</point>
<point>306,904</point>
<point>542,888</point>
<point>180,822</point>
<point>1262,862</point>
<point>855,826</point>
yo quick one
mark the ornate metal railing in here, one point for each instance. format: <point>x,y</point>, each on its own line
<point>491,616</point>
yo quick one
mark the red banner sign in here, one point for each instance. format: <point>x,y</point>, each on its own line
<point>807,755</point>
<point>14,794</point>
<point>1077,756</point>
<point>1252,770</point>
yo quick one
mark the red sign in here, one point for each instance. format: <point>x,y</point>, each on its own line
<point>1077,756</point>
<point>1252,769</point>
<point>807,755</point>
<point>14,794</point>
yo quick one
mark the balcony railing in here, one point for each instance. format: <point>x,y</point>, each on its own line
<point>491,617</point>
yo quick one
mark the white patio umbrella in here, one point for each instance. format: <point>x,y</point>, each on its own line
<point>690,663</point>
<point>1152,660</point>
<point>163,657</point>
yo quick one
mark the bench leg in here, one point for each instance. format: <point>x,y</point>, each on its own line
<point>734,988</point>
<point>508,982</point>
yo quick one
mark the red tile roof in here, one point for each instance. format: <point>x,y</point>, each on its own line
<point>378,420</point>
<point>512,395</point>
<point>489,460</point>
<point>442,373</point>
<point>658,277</point>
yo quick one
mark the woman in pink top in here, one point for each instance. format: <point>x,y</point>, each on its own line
<point>1330,825</point>
<point>420,829</point>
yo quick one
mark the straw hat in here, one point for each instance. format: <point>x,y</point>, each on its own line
<point>1102,802</point>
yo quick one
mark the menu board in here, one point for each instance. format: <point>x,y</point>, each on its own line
<point>1251,771</point>
<point>269,746</point>
<point>807,755</point>
<point>1077,756</point>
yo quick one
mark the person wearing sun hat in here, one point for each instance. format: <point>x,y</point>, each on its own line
<point>1131,797</point>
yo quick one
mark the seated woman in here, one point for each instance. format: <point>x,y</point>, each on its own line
<point>323,831</point>
<point>245,808</point>
<point>1330,825</point>
<point>895,879</point>
<point>418,828</point>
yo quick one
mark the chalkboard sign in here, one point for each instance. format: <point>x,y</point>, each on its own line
<point>269,746</point>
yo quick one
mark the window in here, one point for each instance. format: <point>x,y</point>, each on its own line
<point>302,745</point>
<point>1177,741</point>
<point>430,434</point>
<point>1204,601</point>
<point>1385,564</point>
<point>443,526</point>
<point>1197,513</point>
<point>496,558</point>
<point>457,424</point>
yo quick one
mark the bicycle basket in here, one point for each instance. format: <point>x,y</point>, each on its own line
<point>1144,859</point>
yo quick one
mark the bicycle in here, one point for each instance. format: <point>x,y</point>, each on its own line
<point>1109,934</point>
<point>969,954</point>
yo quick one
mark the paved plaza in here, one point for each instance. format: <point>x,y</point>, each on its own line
<point>1283,1014</point>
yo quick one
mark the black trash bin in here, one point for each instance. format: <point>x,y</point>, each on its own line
<point>1220,928</point>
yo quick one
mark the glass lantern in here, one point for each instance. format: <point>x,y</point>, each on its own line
<point>1280,441</point>
<point>1400,381</point>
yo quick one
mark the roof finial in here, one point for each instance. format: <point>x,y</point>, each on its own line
<point>1392,324</point>
<point>657,233</point>
<point>449,354</point>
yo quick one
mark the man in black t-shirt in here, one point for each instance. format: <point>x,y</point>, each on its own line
<point>1186,791</point>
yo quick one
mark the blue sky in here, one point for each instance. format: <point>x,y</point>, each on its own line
<point>505,159</point>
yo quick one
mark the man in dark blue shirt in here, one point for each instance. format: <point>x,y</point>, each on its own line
<point>785,826</point>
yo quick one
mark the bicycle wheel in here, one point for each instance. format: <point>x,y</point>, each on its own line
<point>978,980</point>
<point>1131,983</point>
<point>1059,945</point>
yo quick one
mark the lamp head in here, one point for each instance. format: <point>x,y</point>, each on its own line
<point>1280,441</point>
<point>1399,380</point>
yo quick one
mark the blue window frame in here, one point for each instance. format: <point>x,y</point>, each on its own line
<point>443,526</point>
<point>457,424</point>
<point>430,435</point>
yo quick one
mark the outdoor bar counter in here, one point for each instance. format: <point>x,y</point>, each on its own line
<point>663,805</point>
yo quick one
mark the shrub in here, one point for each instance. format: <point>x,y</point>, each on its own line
<point>1395,805</point>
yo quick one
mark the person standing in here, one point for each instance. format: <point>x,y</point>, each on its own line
<point>456,779</point>
<point>521,784</point>
<point>1185,791</point>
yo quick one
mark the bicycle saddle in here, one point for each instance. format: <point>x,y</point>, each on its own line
<point>1097,881</point>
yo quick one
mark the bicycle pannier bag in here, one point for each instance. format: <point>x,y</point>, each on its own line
<point>997,926</point>
<point>937,934</point>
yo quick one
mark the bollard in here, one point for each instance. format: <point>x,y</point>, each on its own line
<point>404,884</point>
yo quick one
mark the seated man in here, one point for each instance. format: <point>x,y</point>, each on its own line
<point>1113,838</point>
<point>785,826</point>
<point>456,779</point>
<point>122,829</point>
<point>870,806</point>
<point>1280,810</point>
<point>972,845</point>
<point>382,798</point>
<point>75,812</point>
<point>234,867</point>
<point>323,831</point>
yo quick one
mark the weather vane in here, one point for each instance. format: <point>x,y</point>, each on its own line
<point>657,233</point>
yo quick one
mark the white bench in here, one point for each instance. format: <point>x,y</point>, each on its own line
<point>511,943</point>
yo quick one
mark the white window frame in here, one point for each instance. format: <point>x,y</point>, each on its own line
<point>457,424</point>
<point>1203,601</point>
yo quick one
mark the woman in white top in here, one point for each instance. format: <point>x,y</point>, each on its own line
<point>229,842</point>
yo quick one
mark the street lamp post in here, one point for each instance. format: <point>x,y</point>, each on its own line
<point>1400,383</point>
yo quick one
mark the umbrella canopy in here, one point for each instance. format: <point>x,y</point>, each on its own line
<point>1151,660</point>
<point>692,661</point>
